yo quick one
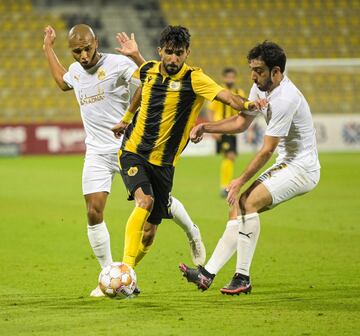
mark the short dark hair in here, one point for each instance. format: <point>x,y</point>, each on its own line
<point>175,36</point>
<point>229,70</point>
<point>269,52</point>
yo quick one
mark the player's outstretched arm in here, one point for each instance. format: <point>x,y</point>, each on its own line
<point>239,103</point>
<point>120,128</point>
<point>261,158</point>
<point>128,47</point>
<point>56,68</point>
<point>232,125</point>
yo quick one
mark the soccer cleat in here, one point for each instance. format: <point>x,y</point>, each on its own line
<point>239,284</point>
<point>97,292</point>
<point>197,276</point>
<point>197,250</point>
<point>136,291</point>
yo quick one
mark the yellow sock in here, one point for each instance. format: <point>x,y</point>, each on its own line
<point>133,234</point>
<point>226,172</point>
<point>141,252</point>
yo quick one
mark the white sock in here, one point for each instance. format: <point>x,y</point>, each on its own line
<point>248,236</point>
<point>182,218</point>
<point>99,239</point>
<point>225,247</point>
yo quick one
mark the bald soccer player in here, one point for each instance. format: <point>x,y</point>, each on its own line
<point>101,85</point>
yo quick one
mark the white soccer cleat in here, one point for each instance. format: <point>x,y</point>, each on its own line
<point>97,292</point>
<point>197,250</point>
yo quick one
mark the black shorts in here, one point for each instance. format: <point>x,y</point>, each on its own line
<point>226,144</point>
<point>154,180</point>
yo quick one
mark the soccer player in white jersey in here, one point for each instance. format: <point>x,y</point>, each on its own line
<point>289,129</point>
<point>101,84</point>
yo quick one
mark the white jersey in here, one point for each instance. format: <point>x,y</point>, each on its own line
<point>103,95</point>
<point>288,116</point>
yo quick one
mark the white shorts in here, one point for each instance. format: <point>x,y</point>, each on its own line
<point>285,181</point>
<point>98,172</point>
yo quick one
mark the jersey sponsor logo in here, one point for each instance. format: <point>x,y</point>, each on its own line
<point>133,171</point>
<point>101,74</point>
<point>175,85</point>
<point>85,100</point>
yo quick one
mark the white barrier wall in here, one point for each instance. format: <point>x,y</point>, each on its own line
<point>333,133</point>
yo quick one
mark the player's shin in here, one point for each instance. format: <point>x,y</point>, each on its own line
<point>225,247</point>
<point>226,172</point>
<point>247,239</point>
<point>99,239</point>
<point>133,234</point>
<point>141,253</point>
<point>182,218</point>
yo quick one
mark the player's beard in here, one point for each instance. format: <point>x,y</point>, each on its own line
<point>266,86</point>
<point>229,86</point>
<point>172,69</point>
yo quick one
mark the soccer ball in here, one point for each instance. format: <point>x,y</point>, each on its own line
<point>117,280</point>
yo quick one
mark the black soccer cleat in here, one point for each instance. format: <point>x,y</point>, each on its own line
<point>199,276</point>
<point>239,284</point>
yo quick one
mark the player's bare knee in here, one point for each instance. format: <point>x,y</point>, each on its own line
<point>248,207</point>
<point>231,156</point>
<point>95,215</point>
<point>242,202</point>
<point>145,202</point>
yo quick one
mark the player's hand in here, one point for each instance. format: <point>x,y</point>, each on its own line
<point>49,37</point>
<point>233,190</point>
<point>258,104</point>
<point>119,129</point>
<point>127,46</point>
<point>197,133</point>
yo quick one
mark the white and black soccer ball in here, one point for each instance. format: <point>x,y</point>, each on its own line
<point>117,280</point>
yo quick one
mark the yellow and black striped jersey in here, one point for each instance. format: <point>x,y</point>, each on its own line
<point>169,108</point>
<point>222,111</point>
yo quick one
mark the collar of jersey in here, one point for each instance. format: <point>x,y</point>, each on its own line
<point>177,76</point>
<point>278,88</point>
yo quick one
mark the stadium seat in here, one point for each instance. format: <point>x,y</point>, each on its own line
<point>306,29</point>
<point>27,90</point>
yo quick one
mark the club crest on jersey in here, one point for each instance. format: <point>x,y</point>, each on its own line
<point>133,171</point>
<point>101,74</point>
<point>174,85</point>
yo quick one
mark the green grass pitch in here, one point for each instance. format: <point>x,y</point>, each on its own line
<point>306,271</point>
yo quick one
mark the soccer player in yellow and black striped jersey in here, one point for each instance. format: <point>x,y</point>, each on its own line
<point>172,94</point>
<point>226,143</point>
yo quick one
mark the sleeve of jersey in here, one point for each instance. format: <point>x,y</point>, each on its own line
<point>204,86</point>
<point>252,96</point>
<point>127,69</point>
<point>68,80</point>
<point>281,118</point>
